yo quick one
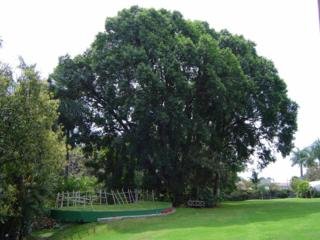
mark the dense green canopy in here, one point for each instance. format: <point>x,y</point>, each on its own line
<point>31,154</point>
<point>173,102</point>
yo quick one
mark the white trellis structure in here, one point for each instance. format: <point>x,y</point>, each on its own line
<point>102,197</point>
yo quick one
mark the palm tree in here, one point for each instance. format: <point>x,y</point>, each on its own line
<point>315,150</point>
<point>303,158</point>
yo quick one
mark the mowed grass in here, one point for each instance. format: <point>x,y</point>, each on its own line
<point>286,219</point>
<point>141,205</point>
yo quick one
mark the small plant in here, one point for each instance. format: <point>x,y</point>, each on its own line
<point>75,183</point>
<point>300,187</point>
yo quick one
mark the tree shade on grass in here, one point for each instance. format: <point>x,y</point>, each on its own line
<point>260,219</point>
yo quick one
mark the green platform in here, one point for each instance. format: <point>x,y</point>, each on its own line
<point>88,215</point>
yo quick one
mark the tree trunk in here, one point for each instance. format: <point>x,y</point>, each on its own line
<point>66,170</point>
<point>177,199</point>
<point>20,198</point>
<point>10,229</point>
<point>177,188</point>
<point>301,170</point>
<point>216,190</point>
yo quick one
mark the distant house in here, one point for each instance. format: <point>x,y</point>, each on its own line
<point>315,185</point>
<point>283,185</point>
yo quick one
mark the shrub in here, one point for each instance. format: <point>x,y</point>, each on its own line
<point>240,195</point>
<point>237,195</point>
<point>303,189</point>
<point>73,183</point>
<point>300,187</point>
<point>285,193</point>
<point>206,195</point>
<point>315,193</point>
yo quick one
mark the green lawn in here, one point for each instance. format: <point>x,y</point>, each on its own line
<point>287,219</point>
<point>132,206</point>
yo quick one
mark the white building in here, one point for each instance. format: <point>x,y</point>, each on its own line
<point>315,185</point>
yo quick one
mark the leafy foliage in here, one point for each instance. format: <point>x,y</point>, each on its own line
<point>300,187</point>
<point>74,183</point>
<point>313,173</point>
<point>183,104</point>
<point>302,158</point>
<point>308,157</point>
<point>315,151</point>
<point>255,179</point>
<point>263,188</point>
<point>30,152</point>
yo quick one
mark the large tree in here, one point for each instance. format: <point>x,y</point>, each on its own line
<point>174,99</point>
<point>30,152</point>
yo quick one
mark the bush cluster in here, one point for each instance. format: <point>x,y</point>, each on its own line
<point>240,195</point>
<point>301,187</point>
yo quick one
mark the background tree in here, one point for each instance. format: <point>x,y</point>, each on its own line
<point>313,167</point>
<point>300,187</point>
<point>72,105</point>
<point>315,152</point>
<point>255,179</point>
<point>313,173</point>
<point>302,158</point>
<point>183,104</point>
<point>30,152</point>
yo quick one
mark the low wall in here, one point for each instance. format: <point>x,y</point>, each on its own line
<point>92,216</point>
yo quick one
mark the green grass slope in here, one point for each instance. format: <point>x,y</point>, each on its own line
<point>292,219</point>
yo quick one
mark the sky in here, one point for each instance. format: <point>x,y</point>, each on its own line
<point>286,32</point>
